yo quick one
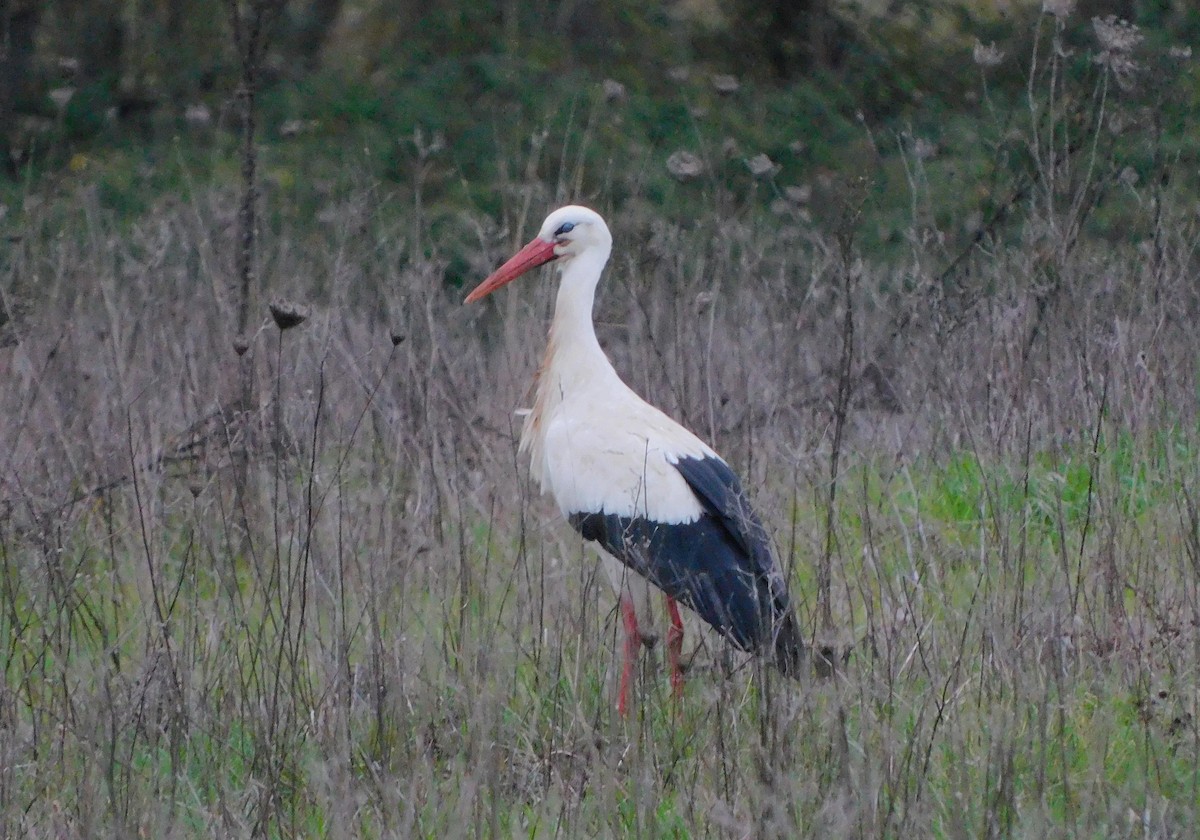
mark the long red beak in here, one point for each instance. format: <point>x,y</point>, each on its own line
<point>532,255</point>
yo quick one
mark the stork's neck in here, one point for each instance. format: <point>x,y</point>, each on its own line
<point>575,365</point>
<point>574,358</point>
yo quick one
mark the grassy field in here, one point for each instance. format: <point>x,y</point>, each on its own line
<point>405,642</point>
<point>387,634</point>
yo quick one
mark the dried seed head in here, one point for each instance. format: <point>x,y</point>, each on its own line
<point>61,96</point>
<point>924,149</point>
<point>1118,39</point>
<point>1059,8</point>
<point>1115,34</point>
<point>614,91</point>
<point>294,128</point>
<point>684,166</point>
<point>798,193</point>
<point>197,115</point>
<point>241,344</point>
<point>725,84</point>
<point>987,55</point>
<point>761,166</point>
<point>288,314</point>
<point>397,339</point>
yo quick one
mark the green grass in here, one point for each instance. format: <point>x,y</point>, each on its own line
<point>950,716</point>
<point>506,115</point>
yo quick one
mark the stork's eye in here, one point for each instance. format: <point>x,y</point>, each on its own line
<point>565,227</point>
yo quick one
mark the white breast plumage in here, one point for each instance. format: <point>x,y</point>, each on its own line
<point>601,457</point>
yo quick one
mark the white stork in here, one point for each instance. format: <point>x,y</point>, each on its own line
<point>653,495</point>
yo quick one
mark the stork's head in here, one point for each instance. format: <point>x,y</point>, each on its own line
<point>568,233</point>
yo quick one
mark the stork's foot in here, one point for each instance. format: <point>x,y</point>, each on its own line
<point>636,638</point>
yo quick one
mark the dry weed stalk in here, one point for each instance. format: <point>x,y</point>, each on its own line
<point>250,22</point>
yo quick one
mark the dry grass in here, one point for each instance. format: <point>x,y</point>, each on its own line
<point>414,646</point>
<point>406,643</point>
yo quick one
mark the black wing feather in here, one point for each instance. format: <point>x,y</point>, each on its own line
<point>719,491</point>
<point>720,565</point>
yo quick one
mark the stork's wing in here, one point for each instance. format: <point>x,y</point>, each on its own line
<point>720,564</point>
<point>717,488</point>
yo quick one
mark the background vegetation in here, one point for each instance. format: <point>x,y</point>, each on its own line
<point>272,567</point>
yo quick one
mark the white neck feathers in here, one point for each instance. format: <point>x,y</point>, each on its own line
<point>574,362</point>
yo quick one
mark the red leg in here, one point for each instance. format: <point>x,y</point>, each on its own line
<point>675,647</point>
<point>632,641</point>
